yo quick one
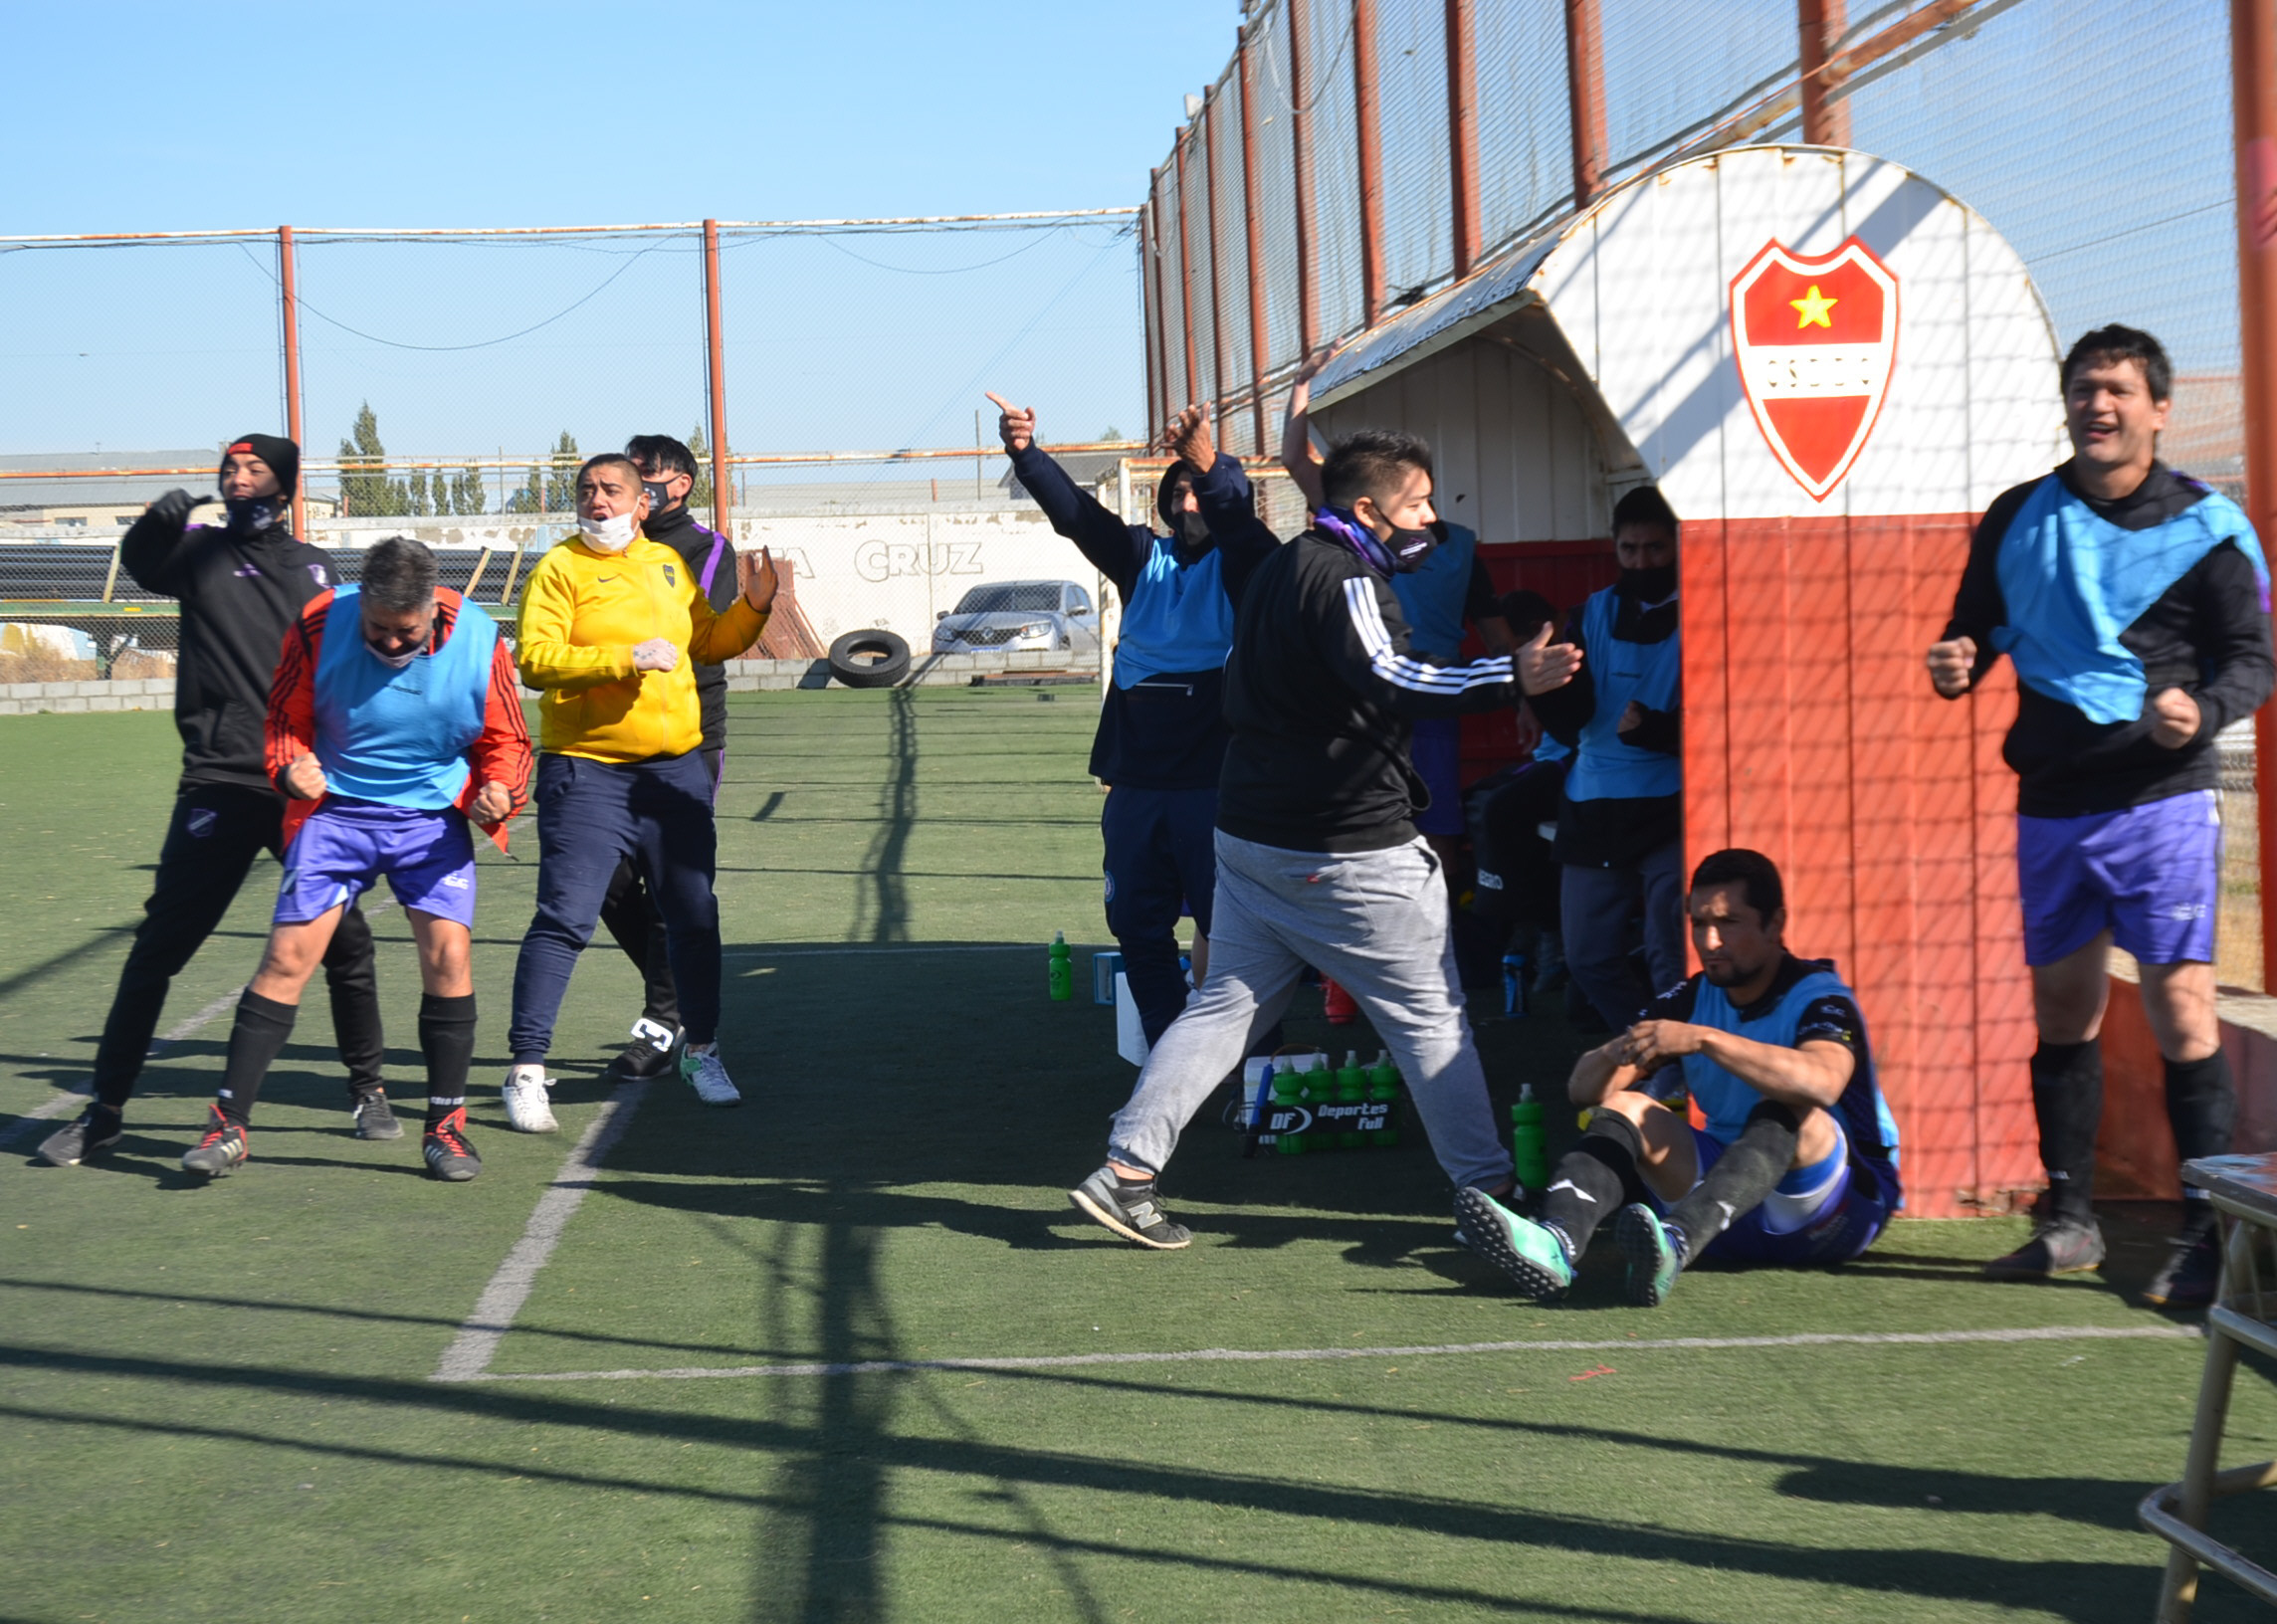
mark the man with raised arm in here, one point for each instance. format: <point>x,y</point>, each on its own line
<point>240,584</point>
<point>611,626</point>
<point>2133,603</point>
<point>1798,1165</point>
<point>1161,732</point>
<point>1318,858</point>
<point>394,720</point>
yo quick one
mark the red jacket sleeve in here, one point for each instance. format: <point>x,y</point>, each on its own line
<point>290,732</point>
<point>502,755</point>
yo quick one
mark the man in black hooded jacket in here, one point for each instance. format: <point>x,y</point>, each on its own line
<point>241,584</point>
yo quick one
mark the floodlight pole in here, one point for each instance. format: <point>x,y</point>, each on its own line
<point>2253,88</point>
<point>715,367</point>
<point>289,290</point>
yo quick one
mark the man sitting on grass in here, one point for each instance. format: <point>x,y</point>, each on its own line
<point>1799,1163</point>
<point>394,719</point>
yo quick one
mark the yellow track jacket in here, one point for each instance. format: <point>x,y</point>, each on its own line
<point>581,613</point>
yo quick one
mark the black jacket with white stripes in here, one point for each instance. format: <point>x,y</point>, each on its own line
<point>1320,692</point>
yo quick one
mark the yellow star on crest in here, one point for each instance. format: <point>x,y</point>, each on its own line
<point>1814,306</point>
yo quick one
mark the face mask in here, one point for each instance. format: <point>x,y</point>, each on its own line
<point>250,515</point>
<point>395,662</point>
<point>1654,585</point>
<point>1410,549</point>
<point>659,494</point>
<point>1193,533</point>
<point>608,534</point>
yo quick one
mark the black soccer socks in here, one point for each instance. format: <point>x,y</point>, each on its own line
<point>255,1041</point>
<point>1746,1172</point>
<point>1594,1180</point>
<point>2201,1105</point>
<point>446,1039</point>
<point>354,985</point>
<point>2067,1098</point>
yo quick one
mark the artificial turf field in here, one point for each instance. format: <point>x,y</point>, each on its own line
<point>220,1401</point>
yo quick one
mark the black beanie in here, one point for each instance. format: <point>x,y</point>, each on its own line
<point>282,456</point>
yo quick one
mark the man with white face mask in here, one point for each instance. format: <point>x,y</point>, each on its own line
<point>610,623</point>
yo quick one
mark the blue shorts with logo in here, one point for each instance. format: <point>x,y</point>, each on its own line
<point>345,846</point>
<point>1848,1224</point>
<point>2151,875</point>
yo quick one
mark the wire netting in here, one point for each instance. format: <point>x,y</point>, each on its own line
<point>1671,63</point>
<point>1334,126</point>
<point>1226,177</point>
<point>1201,268</point>
<point>1525,132</point>
<point>1411,61</point>
<point>1273,116</point>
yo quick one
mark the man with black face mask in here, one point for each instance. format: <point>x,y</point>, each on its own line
<point>241,585</point>
<point>1161,734</point>
<point>1611,691</point>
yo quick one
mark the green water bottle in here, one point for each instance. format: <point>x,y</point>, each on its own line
<point>1383,1090</point>
<point>1351,1089</point>
<point>1528,1146</point>
<point>1063,969</point>
<point>1288,1098</point>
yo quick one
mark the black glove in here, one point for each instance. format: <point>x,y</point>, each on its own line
<point>173,509</point>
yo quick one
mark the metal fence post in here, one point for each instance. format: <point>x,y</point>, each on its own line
<point>1586,96</point>
<point>1253,199</point>
<point>714,367</point>
<point>1185,277</point>
<point>1161,305</point>
<point>1824,122</point>
<point>1463,131</point>
<point>1300,143</point>
<point>289,290</point>
<point>2253,88</point>
<point>1216,248</point>
<point>1371,163</point>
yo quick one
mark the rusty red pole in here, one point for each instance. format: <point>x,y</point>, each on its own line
<point>1301,135</point>
<point>1585,94</point>
<point>1821,23</point>
<point>715,365</point>
<point>1463,131</point>
<point>1185,396</point>
<point>1161,305</point>
<point>2253,88</point>
<point>1253,200</point>
<point>1216,248</point>
<point>289,283</point>
<point>1370,162</point>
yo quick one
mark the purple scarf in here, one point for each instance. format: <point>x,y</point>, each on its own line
<point>1339,526</point>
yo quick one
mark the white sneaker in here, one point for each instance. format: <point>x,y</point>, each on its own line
<point>527,1109</point>
<point>708,1077</point>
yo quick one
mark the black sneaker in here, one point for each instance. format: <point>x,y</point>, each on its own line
<point>220,1151</point>
<point>450,1155</point>
<point>374,1117</point>
<point>97,1130</point>
<point>2059,1245</point>
<point>650,1052</point>
<point>1132,1211</point>
<point>2191,1273</point>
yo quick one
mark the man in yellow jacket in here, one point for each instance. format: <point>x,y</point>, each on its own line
<point>611,623</point>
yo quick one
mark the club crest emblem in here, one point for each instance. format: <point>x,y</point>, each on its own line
<point>202,821</point>
<point>671,578</point>
<point>1815,338</point>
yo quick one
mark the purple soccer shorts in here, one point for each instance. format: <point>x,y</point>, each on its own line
<point>2151,875</point>
<point>345,847</point>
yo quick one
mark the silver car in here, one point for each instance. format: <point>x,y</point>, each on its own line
<point>1017,617</point>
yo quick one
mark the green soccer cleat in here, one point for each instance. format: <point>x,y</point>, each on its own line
<point>1529,1253</point>
<point>1655,1249</point>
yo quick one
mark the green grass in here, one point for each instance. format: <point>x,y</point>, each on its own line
<point>217,1399</point>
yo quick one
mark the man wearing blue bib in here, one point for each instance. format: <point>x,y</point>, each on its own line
<point>2133,603</point>
<point>394,720</point>
<point>1798,1165</point>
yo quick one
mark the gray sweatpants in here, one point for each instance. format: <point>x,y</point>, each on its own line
<point>1374,922</point>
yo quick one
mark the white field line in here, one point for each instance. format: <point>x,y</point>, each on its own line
<point>50,1109</point>
<point>1206,1355</point>
<point>837,952</point>
<point>470,1351</point>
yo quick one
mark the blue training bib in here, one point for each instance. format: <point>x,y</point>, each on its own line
<point>1432,597</point>
<point>1605,767</point>
<point>400,737</point>
<point>1178,617</point>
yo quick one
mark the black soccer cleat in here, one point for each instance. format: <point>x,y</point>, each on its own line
<point>222,1151</point>
<point>2191,1275</point>
<point>650,1052</point>
<point>1132,1211</point>
<point>97,1128</point>
<point>374,1117</point>
<point>450,1153</point>
<point>2059,1245</point>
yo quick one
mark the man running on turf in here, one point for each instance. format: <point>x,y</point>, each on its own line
<point>609,625</point>
<point>668,475</point>
<point>1318,858</point>
<point>395,717</point>
<point>1161,732</point>
<point>1798,1163</point>
<point>2133,603</point>
<point>240,584</point>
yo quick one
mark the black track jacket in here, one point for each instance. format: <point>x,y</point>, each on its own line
<point>677,529</point>
<point>1320,692</point>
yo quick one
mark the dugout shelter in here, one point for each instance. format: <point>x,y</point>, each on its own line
<point>1830,366</point>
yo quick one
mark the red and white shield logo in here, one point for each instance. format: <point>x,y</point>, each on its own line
<point>1816,336</point>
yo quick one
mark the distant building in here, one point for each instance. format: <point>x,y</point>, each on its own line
<point>99,493</point>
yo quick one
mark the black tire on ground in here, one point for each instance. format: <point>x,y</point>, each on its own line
<point>870,659</point>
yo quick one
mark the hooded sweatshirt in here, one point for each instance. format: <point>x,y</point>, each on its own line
<point>712,557</point>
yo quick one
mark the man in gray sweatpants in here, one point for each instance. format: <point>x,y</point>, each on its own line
<point>1318,858</point>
